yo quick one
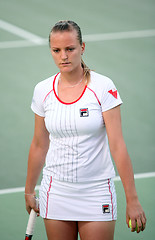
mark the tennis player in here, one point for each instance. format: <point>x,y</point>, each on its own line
<point>77,125</point>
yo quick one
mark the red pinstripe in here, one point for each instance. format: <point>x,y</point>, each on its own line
<point>48,197</point>
<point>47,95</point>
<point>95,95</point>
<point>53,86</point>
<point>111,200</point>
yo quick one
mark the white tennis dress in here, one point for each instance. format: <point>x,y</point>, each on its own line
<point>78,153</point>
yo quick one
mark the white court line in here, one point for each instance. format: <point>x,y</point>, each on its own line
<point>15,190</point>
<point>119,35</point>
<point>20,43</point>
<point>139,176</point>
<point>33,40</point>
<point>21,189</point>
<point>20,32</point>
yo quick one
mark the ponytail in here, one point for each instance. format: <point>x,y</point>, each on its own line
<point>86,71</point>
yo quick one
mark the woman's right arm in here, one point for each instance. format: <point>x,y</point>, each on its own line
<point>36,160</point>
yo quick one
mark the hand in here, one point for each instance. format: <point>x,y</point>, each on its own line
<point>30,201</point>
<point>134,211</point>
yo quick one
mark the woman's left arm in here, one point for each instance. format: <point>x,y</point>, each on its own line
<point>118,149</point>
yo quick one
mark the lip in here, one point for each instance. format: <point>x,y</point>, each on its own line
<point>64,64</point>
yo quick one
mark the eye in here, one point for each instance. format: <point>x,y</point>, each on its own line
<point>55,50</point>
<point>70,49</point>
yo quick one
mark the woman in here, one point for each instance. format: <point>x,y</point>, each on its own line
<point>77,112</point>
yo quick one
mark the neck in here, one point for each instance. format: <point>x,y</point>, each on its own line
<point>73,77</point>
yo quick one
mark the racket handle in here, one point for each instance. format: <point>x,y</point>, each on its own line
<point>31,223</point>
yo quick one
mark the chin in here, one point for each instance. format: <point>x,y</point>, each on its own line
<point>66,69</point>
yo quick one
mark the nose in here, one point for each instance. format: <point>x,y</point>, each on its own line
<point>64,55</point>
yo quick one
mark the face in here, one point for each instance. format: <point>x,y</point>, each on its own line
<point>66,50</point>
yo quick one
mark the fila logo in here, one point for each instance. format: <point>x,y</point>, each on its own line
<point>106,208</point>
<point>113,92</point>
<point>84,112</point>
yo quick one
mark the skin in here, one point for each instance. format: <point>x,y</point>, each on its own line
<point>36,159</point>
<point>123,163</point>
<point>66,51</point>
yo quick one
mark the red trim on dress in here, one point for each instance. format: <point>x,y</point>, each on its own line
<point>95,95</point>
<point>60,99</point>
<point>47,95</point>
<point>48,197</point>
<point>111,200</point>
<point>52,89</point>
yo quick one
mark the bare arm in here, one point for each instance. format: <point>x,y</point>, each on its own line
<point>36,159</point>
<point>123,163</point>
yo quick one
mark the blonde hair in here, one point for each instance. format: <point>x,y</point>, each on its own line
<point>67,25</point>
<point>86,71</point>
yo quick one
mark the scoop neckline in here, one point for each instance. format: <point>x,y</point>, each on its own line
<point>55,92</point>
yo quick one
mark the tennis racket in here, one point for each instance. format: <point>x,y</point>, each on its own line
<point>31,223</point>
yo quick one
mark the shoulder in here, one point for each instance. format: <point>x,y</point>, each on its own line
<point>40,91</point>
<point>99,80</point>
<point>45,86</point>
<point>105,90</point>
<point>100,83</point>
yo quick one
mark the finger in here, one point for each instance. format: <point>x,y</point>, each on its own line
<point>139,225</point>
<point>127,221</point>
<point>28,208</point>
<point>36,208</point>
<point>143,222</point>
<point>31,204</point>
<point>134,225</point>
